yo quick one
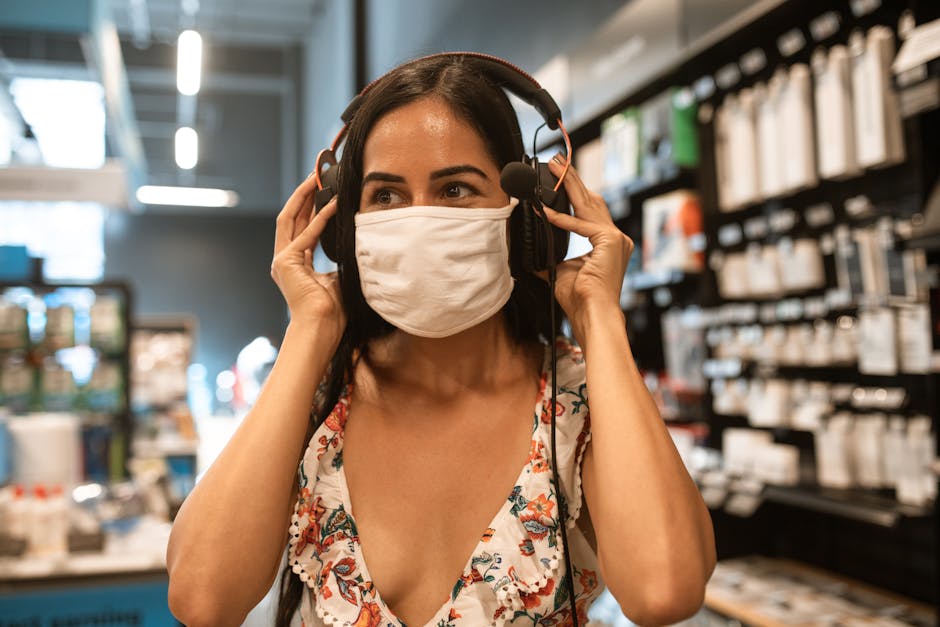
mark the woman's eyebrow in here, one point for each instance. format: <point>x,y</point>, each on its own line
<point>457,169</point>
<point>382,176</point>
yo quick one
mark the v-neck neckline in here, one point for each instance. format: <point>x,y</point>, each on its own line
<point>358,556</point>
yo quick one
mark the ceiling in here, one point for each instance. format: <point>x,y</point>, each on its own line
<point>240,22</point>
<point>247,112</point>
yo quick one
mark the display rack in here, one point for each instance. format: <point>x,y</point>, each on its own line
<point>865,534</point>
<point>114,414</point>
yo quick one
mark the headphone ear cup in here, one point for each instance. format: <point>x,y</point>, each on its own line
<point>533,240</point>
<point>328,239</point>
<point>557,200</point>
<point>534,234</point>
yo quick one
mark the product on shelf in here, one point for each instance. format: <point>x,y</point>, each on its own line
<point>14,334</point>
<point>46,449</point>
<point>684,348</point>
<point>835,123</point>
<point>60,326</point>
<point>16,382</point>
<point>796,120</point>
<point>107,324</point>
<point>672,233</point>
<point>58,386</point>
<point>879,136</point>
<point>620,136</point>
<point>105,389</point>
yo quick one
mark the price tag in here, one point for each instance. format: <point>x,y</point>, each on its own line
<point>728,76</point>
<point>782,220</point>
<point>825,26</point>
<point>753,61</point>
<point>791,42</point>
<point>730,234</point>
<point>704,87</point>
<point>756,228</point>
<point>819,215</point>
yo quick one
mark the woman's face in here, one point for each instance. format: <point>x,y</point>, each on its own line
<point>423,154</point>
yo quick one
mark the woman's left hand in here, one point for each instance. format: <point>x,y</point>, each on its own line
<point>592,281</point>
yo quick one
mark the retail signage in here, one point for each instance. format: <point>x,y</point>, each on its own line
<point>133,605</point>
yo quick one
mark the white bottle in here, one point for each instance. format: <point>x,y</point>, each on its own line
<point>39,521</point>
<point>18,514</point>
<point>58,526</point>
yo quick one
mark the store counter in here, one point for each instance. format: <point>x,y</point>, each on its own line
<point>777,592</point>
<point>126,584</point>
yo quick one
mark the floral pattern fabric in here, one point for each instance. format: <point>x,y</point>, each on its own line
<point>516,573</point>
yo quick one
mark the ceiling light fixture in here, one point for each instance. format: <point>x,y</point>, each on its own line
<point>188,62</point>
<point>186,196</point>
<point>187,148</point>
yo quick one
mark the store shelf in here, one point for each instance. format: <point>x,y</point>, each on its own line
<point>926,241</point>
<point>853,504</point>
<point>675,178</point>
<point>773,592</point>
<point>663,278</point>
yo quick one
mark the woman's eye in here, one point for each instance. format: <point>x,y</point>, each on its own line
<point>457,190</point>
<point>386,197</point>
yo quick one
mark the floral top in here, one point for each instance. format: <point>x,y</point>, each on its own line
<point>516,573</point>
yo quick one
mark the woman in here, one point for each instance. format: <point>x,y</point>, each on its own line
<point>419,435</point>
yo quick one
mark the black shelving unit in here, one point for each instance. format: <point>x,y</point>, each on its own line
<point>862,534</point>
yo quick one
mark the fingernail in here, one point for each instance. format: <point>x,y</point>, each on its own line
<point>559,158</point>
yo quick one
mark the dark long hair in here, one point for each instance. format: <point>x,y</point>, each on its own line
<point>478,99</point>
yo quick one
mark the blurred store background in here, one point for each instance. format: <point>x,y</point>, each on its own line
<point>775,161</point>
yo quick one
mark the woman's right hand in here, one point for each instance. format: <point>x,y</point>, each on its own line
<point>312,297</point>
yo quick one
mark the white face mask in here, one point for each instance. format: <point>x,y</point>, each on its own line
<point>434,271</point>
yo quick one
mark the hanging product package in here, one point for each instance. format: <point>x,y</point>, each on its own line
<point>742,157</point>
<point>879,133</point>
<point>835,126</point>
<point>620,136</point>
<point>672,233</point>
<point>770,136</point>
<point>801,264</point>
<point>877,341</point>
<point>796,117</point>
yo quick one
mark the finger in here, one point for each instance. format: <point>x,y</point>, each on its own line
<point>574,224</point>
<point>578,193</point>
<point>301,197</point>
<point>307,239</point>
<point>586,203</point>
<point>302,218</point>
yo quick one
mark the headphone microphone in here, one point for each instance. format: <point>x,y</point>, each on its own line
<point>519,181</point>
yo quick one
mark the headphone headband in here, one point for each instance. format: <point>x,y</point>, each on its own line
<point>510,76</point>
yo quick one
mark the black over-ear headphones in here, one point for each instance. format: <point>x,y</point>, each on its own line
<point>528,180</point>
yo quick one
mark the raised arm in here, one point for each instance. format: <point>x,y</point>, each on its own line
<point>655,540</point>
<point>229,536</point>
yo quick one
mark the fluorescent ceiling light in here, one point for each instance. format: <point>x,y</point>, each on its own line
<point>188,62</point>
<point>187,148</point>
<point>186,196</point>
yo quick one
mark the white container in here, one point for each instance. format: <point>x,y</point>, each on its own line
<point>47,449</point>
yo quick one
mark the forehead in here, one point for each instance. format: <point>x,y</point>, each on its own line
<point>426,132</point>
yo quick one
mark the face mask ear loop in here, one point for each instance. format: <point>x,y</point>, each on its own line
<point>560,497</point>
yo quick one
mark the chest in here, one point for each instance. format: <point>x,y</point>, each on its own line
<point>424,484</point>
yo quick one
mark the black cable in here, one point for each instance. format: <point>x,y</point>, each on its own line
<point>535,137</point>
<point>562,505</point>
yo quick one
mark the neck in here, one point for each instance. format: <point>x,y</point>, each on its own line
<point>477,358</point>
